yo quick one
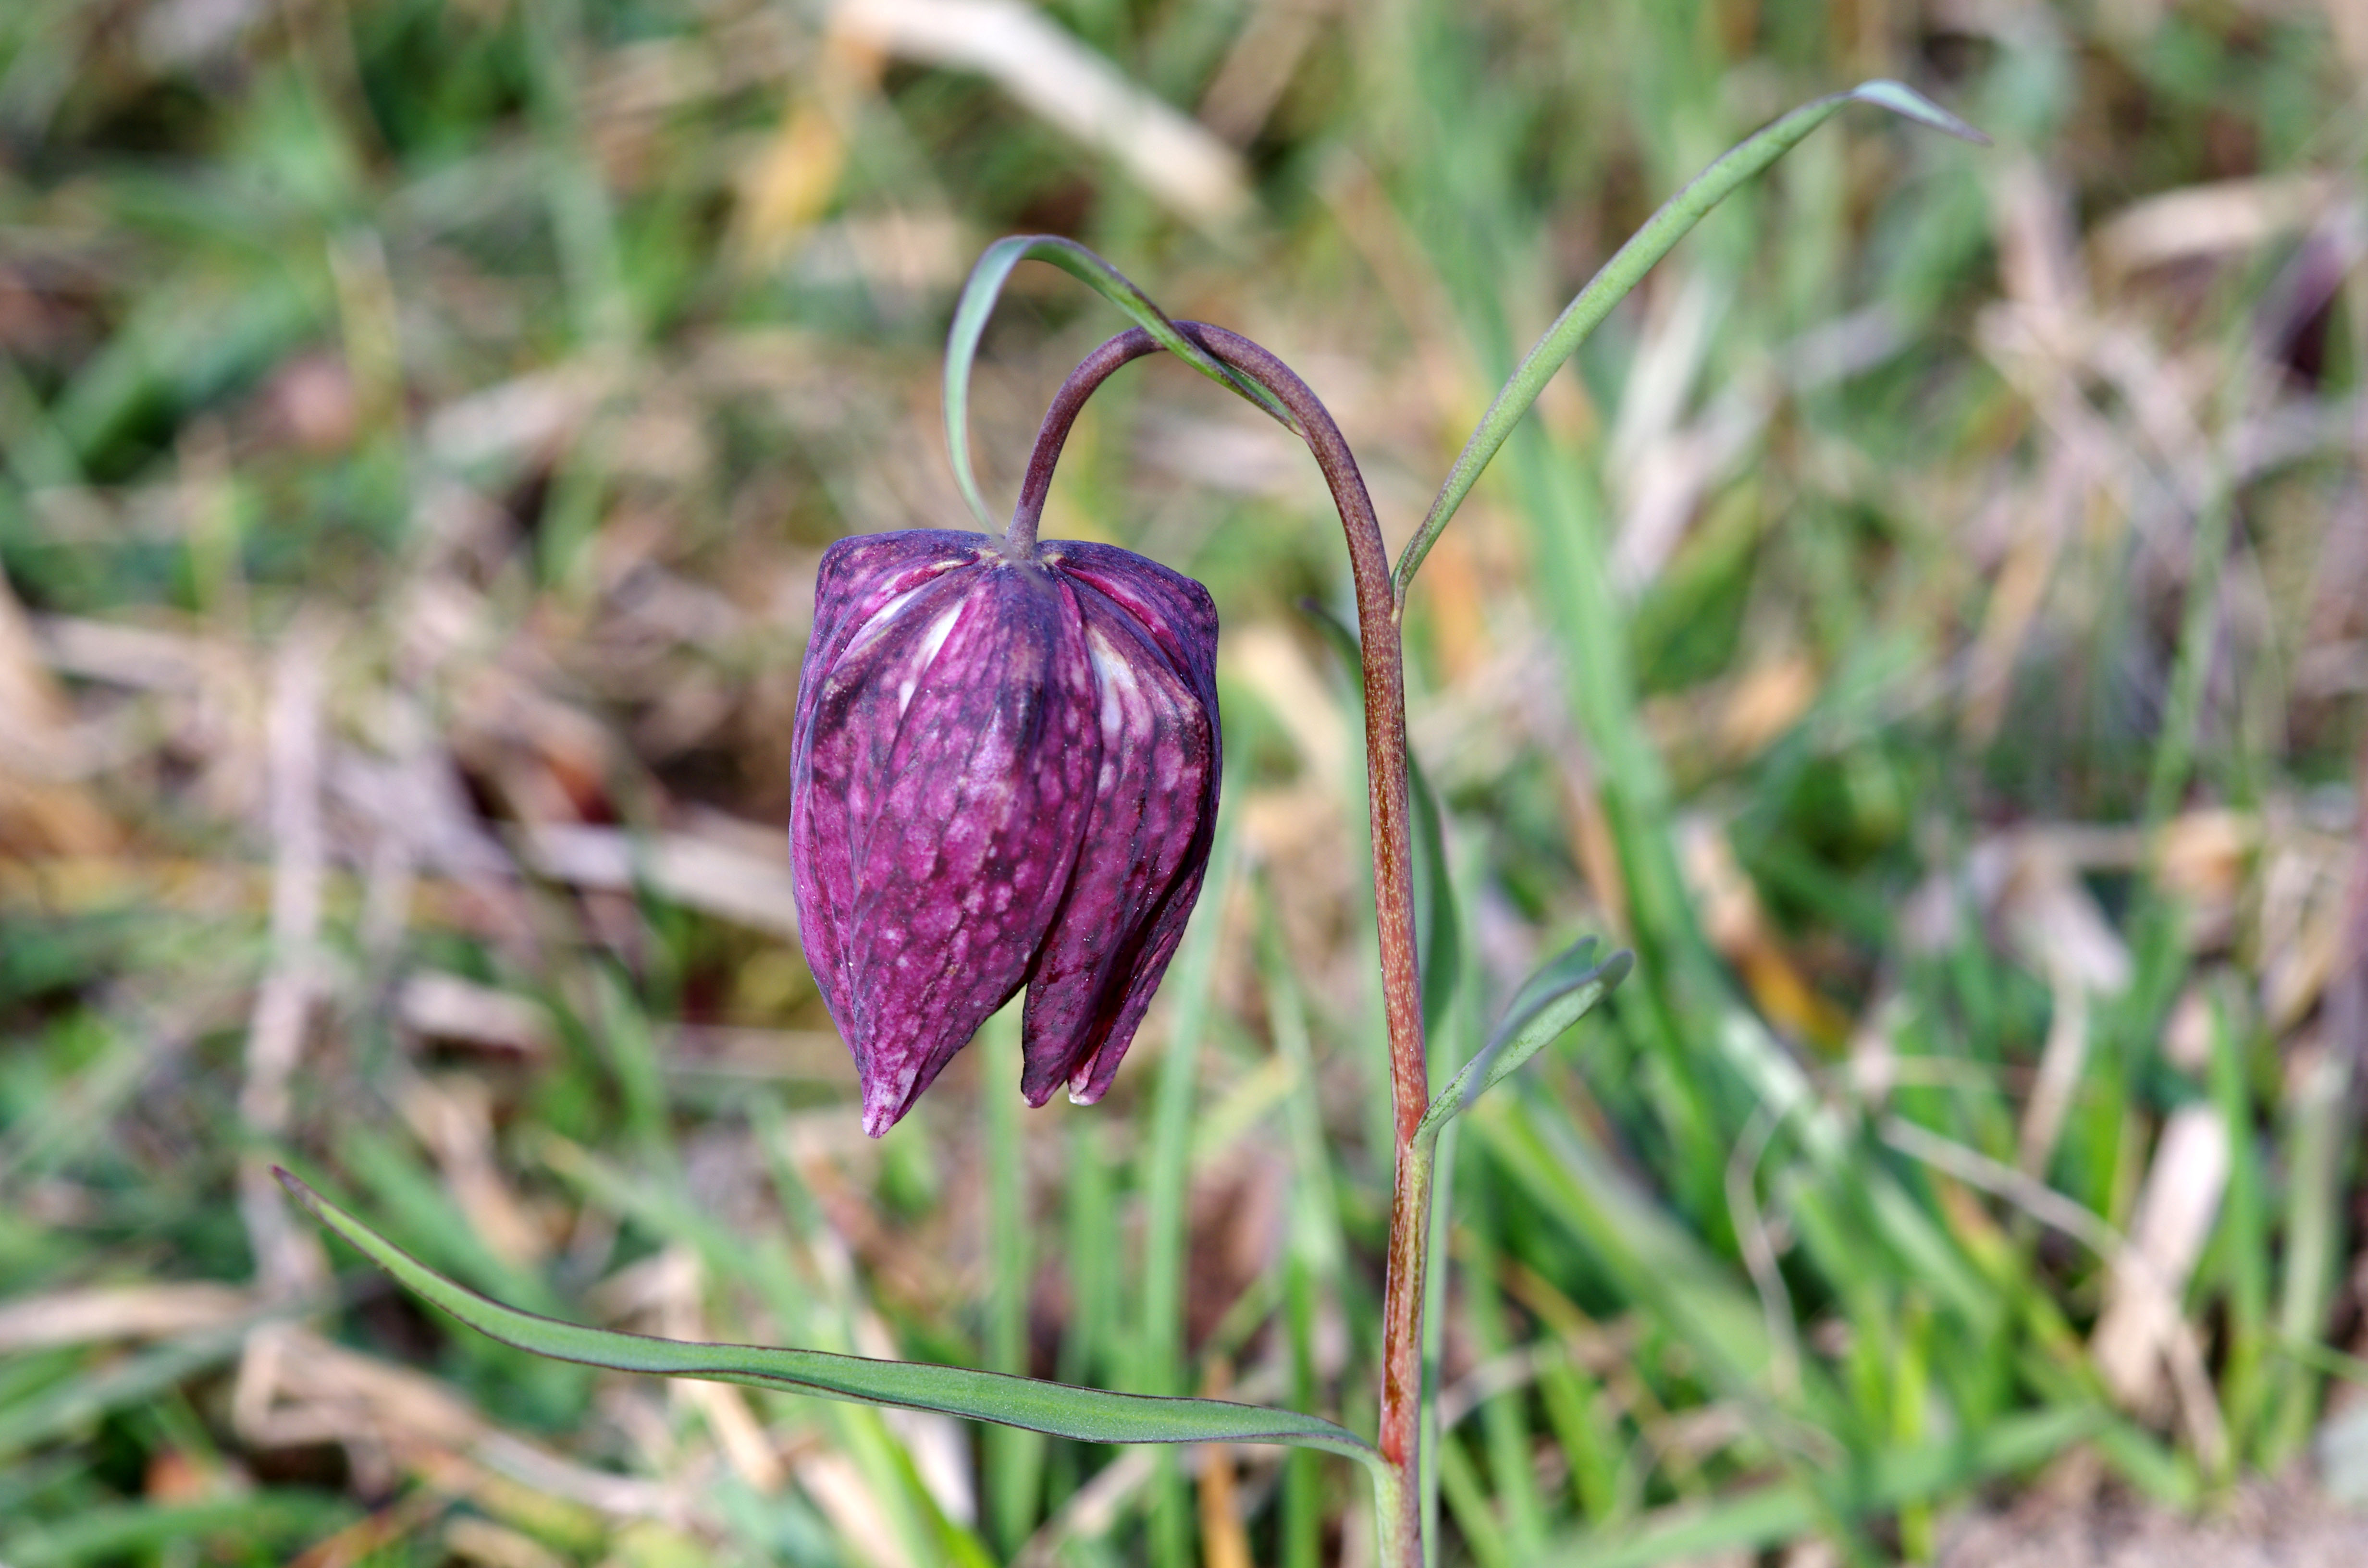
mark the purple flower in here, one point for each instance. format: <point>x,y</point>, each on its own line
<point>1004,774</point>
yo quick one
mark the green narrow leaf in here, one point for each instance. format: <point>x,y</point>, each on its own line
<point>1663,1267</point>
<point>281,1519</point>
<point>1627,267</point>
<point>1316,1247</point>
<point>1300,1531</point>
<point>1506,1437</point>
<point>1483,1531</point>
<point>77,1404</point>
<point>984,285</point>
<point>2317,1116</point>
<point>1440,1148</point>
<point>1090,1223</point>
<point>1555,997</point>
<point>1088,1415</point>
<point>1166,1170</point>
<point>1908,104</point>
<point>1770,1514</point>
<point>1015,1459</point>
<point>2245,1236</point>
<point>1438,946</point>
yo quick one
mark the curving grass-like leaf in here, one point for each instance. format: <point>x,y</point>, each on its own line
<point>984,285</point>
<point>1438,928</point>
<point>1627,267</point>
<point>1553,999</point>
<point>1088,1415</point>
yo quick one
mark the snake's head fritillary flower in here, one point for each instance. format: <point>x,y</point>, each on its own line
<point>1004,774</point>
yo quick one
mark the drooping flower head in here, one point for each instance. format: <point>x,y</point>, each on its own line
<point>1004,774</point>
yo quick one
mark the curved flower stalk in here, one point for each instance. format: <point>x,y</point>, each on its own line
<point>1006,771</point>
<point>1389,803</point>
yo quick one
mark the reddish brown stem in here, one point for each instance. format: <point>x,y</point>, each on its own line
<point>1385,758</point>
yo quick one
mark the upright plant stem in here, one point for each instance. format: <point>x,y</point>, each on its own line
<point>1400,1437</point>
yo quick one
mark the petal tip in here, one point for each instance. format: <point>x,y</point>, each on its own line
<point>885,1104</point>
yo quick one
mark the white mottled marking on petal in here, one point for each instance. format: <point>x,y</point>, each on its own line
<point>1117,680</point>
<point>932,642</point>
<point>988,778</point>
<point>880,620</point>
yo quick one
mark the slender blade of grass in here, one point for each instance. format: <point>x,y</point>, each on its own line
<point>113,1533</point>
<point>1562,992</point>
<point>2316,1156</point>
<point>1628,266</point>
<point>1015,1457</point>
<point>1166,1175</point>
<point>1504,1417</point>
<point>1317,1247</point>
<point>1785,1510</point>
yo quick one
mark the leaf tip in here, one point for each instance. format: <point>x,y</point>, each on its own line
<point>1908,104</point>
<point>311,1201</point>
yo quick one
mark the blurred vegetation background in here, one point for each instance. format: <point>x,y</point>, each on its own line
<point>1930,626</point>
